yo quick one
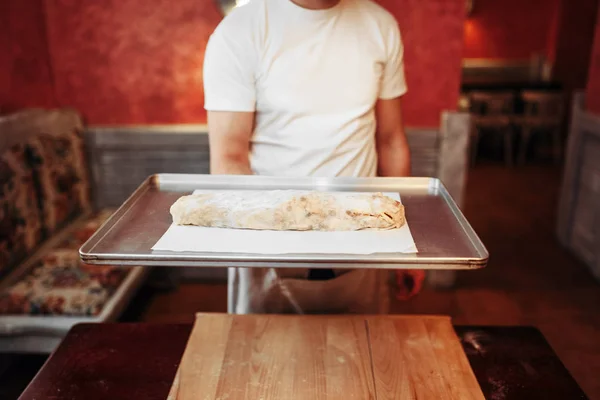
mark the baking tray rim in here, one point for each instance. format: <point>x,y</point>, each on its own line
<point>87,254</point>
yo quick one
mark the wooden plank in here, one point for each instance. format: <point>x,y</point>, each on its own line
<point>275,357</point>
<point>579,222</point>
<point>451,167</point>
<point>200,366</point>
<point>453,153</point>
<point>420,358</point>
<point>582,123</point>
<point>323,357</point>
<point>137,136</point>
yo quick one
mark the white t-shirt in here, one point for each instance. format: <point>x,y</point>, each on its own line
<point>312,77</point>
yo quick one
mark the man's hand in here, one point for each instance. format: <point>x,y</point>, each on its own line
<point>229,136</point>
<point>408,283</point>
<point>392,146</point>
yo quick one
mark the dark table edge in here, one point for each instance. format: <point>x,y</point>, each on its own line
<point>458,328</point>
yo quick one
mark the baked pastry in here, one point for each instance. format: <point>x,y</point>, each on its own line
<point>289,210</point>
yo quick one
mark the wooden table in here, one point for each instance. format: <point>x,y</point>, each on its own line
<point>139,361</point>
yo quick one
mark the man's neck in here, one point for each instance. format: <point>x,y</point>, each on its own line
<point>316,4</point>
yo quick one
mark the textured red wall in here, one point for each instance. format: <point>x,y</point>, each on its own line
<point>140,61</point>
<point>25,72</point>
<point>510,29</point>
<point>576,27</point>
<point>432,31</point>
<point>592,95</point>
<point>131,61</point>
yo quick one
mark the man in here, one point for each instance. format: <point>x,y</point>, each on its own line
<point>307,88</point>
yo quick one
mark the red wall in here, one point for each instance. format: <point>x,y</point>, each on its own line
<point>510,29</point>
<point>592,96</point>
<point>131,61</point>
<point>575,35</point>
<point>140,61</point>
<point>25,72</point>
<point>432,31</point>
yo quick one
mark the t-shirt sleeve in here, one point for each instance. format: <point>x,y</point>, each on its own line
<point>393,83</point>
<point>228,73</point>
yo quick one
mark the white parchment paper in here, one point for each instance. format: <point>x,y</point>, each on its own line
<point>220,240</point>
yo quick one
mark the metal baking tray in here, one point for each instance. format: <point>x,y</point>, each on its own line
<point>443,236</point>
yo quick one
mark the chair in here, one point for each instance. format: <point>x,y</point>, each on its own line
<point>492,111</point>
<point>543,112</point>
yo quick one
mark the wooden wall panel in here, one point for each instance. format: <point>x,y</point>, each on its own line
<point>578,224</point>
<point>122,157</point>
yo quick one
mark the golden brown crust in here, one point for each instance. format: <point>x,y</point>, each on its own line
<point>289,210</point>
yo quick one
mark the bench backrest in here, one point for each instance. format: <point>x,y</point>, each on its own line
<point>44,179</point>
<point>121,157</point>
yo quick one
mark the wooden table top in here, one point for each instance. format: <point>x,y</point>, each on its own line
<point>140,360</point>
<point>324,357</point>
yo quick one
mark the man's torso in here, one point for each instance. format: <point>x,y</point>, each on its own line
<point>317,77</point>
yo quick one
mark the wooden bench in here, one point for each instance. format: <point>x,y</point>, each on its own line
<point>46,214</point>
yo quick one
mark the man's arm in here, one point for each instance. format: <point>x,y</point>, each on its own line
<point>392,146</point>
<point>229,140</point>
